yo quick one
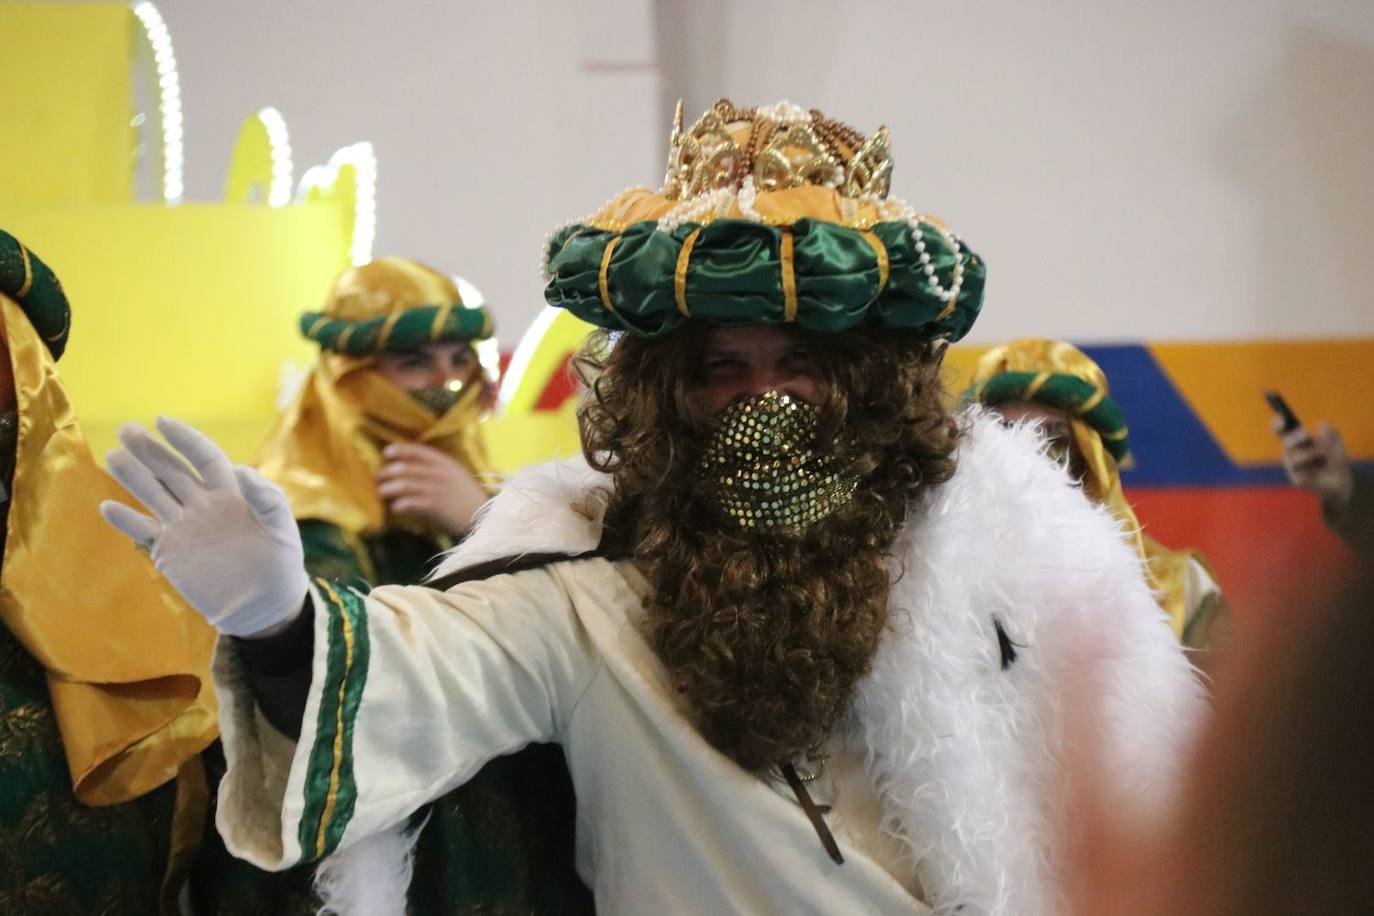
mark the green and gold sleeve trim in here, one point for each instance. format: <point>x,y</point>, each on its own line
<point>408,329</point>
<point>819,275</point>
<point>330,789</point>
<point>1069,393</point>
<point>31,283</point>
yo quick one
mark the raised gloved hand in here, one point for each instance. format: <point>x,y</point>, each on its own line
<point>223,535</point>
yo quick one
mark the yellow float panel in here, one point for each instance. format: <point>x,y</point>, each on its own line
<point>65,134</point>
<point>189,311</point>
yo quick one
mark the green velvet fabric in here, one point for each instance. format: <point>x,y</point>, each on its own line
<point>502,842</point>
<point>734,277</point>
<point>1062,392</point>
<point>43,299</point>
<point>412,330</point>
<point>58,856</point>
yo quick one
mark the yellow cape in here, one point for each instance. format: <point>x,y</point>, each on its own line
<point>326,449</point>
<point>127,661</point>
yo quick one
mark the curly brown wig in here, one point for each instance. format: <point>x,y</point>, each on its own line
<point>764,635</point>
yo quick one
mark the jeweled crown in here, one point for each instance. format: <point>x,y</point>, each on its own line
<point>779,147</point>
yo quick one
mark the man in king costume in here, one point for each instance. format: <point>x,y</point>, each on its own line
<point>802,632</point>
<point>1057,385</point>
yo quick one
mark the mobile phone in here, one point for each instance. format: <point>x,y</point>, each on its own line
<point>1280,407</point>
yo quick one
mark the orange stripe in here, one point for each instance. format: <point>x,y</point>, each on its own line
<point>603,281</point>
<point>789,279</point>
<point>680,275</point>
<point>879,252</point>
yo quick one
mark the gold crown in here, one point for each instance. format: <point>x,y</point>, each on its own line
<point>780,146</point>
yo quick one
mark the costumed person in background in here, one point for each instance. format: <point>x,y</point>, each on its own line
<point>105,695</point>
<point>381,452</point>
<point>779,625</point>
<point>380,456</point>
<point>1321,464</point>
<point>1059,387</point>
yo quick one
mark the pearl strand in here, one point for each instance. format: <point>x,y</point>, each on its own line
<point>693,209</point>
<point>545,253</point>
<point>784,112</point>
<point>896,210</point>
<point>748,193</point>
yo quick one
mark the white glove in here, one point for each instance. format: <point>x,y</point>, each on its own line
<point>222,535</point>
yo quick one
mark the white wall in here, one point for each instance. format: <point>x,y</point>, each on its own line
<point>1130,170</point>
<point>492,122</point>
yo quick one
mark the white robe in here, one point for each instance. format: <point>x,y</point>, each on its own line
<point>413,690</point>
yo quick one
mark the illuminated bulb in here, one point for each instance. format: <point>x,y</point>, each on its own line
<point>169,104</point>
<point>279,195</point>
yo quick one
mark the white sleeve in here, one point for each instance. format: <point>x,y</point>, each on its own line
<point>411,692</point>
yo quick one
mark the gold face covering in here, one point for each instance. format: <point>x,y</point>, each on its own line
<point>762,467</point>
<point>440,399</point>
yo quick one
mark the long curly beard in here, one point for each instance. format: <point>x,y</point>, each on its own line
<point>766,636</point>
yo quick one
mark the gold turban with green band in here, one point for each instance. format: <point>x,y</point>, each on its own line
<point>393,304</point>
<point>326,448</point>
<point>775,215</point>
<point>126,660</point>
<point>1059,376</point>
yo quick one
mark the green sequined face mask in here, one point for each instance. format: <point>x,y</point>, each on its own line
<point>762,468</point>
<point>440,399</point>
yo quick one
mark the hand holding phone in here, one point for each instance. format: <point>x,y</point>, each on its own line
<point>1280,407</point>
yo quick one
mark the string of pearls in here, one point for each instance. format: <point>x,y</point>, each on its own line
<point>747,194</point>
<point>546,251</point>
<point>694,209</point>
<point>784,113</point>
<point>894,210</point>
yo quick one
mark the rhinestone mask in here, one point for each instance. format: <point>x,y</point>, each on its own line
<point>440,399</point>
<point>762,468</point>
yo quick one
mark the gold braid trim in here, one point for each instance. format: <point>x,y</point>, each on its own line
<point>342,343</point>
<point>440,319</point>
<point>603,280</point>
<point>1036,384</point>
<point>316,325</point>
<point>1091,402</point>
<point>680,275</point>
<point>789,279</point>
<point>947,311</point>
<point>28,274</point>
<point>387,326</point>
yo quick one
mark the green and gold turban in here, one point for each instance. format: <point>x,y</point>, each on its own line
<point>1054,374</point>
<point>31,283</point>
<point>1060,376</point>
<point>393,304</point>
<point>774,215</point>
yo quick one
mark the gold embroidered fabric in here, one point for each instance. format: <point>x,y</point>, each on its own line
<point>762,468</point>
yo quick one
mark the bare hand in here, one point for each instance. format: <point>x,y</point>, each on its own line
<point>420,480</point>
<point>1319,463</point>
